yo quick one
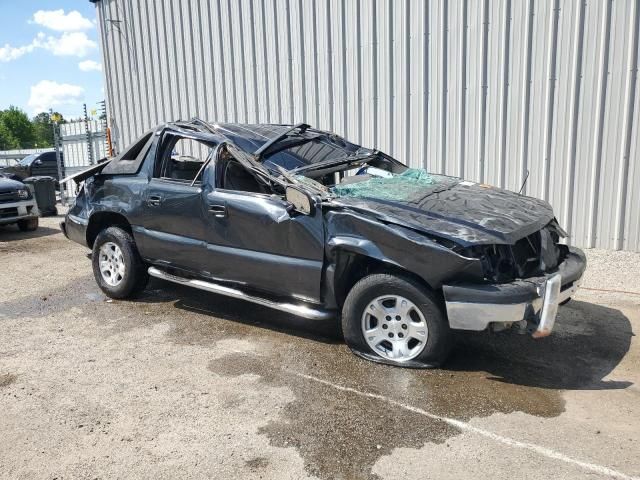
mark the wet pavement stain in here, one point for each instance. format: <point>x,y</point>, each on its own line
<point>77,293</point>
<point>342,435</point>
<point>257,463</point>
<point>7,379</point>
<point>339,435</point>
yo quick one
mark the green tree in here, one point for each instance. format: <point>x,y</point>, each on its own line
<point>17,122</point>
<point>43,128</point>
<point>7,140</point>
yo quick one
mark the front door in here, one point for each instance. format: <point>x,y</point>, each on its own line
<point>255,238</point>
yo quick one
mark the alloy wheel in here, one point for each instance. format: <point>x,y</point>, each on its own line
<point>394,328</point>
<point>112,266</point>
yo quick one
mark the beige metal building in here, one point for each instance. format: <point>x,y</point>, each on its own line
<point>483,89</point>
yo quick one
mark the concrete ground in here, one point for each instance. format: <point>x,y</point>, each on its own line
<point>183,384</point>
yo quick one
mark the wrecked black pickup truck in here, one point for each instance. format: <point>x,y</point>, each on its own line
<point>303,221</point>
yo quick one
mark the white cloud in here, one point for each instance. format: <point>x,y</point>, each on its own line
<point>60,22</point>
<point>72,42</point>
<point>47,94</point>
<point>75,44</point>
<point>9,53</point>
<point>90,66</point>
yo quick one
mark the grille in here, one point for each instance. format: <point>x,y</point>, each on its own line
<point>8,212</point>
<point>529,256</point>
<point>6,197</point>
<point>526,254</point>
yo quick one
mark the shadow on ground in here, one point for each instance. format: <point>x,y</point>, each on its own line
<point>10,233</point>
<point>239,312</point>
<point>589,341</point>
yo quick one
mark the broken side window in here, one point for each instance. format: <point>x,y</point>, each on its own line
<point>182,158</point>
<point>234,171</point>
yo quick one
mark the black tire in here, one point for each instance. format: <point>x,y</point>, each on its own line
<point>28,225</point>
<point>439,339</point>
<point>135,277</point>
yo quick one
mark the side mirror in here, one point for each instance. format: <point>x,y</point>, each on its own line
<point>38,162</point>
<point>300,200</point>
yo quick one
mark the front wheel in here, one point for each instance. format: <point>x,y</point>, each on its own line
<point>395,320</point>
<point>117,267</point>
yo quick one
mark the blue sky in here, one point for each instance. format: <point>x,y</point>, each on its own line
<point>49,56</point>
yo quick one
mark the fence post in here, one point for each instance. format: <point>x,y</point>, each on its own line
<point>88,133</point>
<point>57,142</point>
<point>103,121</point>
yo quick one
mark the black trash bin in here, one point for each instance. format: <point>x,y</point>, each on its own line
<point>45,193</point>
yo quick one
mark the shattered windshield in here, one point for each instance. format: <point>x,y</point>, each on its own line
<point>404,186</point>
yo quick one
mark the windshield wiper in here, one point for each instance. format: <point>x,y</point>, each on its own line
<point>301,127</point>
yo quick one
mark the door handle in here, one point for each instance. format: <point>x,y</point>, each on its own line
<point>154,200</point>
<point>219,211</point>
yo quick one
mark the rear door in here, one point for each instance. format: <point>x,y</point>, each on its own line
<point>174,218</point>
<point>255,238</point>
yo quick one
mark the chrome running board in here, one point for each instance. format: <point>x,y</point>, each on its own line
<point>301,310</point>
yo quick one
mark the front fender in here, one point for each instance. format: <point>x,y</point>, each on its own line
<point>396,246</point>
<point>359,246</point>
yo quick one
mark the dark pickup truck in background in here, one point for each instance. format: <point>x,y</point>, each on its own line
<point>306,222</point>
<point>35,165</point>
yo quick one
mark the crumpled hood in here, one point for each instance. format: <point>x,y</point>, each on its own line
<point>8,185</point>
<point>465,212</point>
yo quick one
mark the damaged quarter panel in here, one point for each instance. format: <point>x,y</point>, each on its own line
<point>103,195</point>
<point>77,218</point>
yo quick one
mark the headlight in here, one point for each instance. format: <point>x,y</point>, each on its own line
<point>23,193</point>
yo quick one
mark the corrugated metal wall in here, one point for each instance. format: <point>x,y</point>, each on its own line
<point>481,89</point>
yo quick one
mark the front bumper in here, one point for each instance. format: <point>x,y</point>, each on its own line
<point>21,210</point>
<point>533,300</point>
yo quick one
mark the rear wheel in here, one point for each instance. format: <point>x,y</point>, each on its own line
<point>395,320</point>
<point>117,267</point>
<point>28,225</point>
